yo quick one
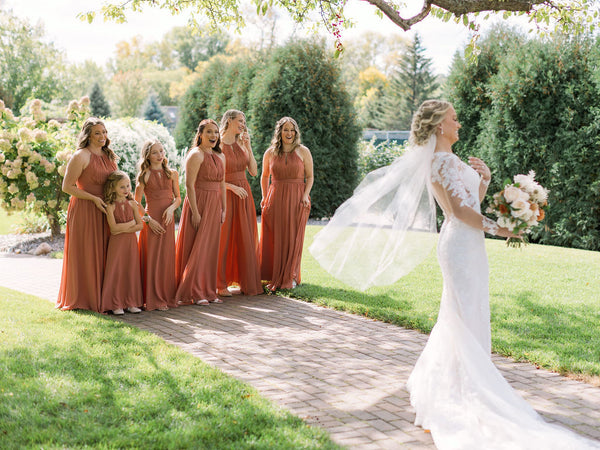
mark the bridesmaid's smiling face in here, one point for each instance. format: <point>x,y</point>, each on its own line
<point>238,124</point>
<point>209,136</point>
<point>288,133</point>
<point>98,136</point>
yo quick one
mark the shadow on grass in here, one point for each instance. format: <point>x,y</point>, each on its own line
<point>558,338</point>
<point>78,379</point>
<point>397,308</point>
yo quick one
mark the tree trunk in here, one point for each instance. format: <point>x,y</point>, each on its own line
<point>54,225</point>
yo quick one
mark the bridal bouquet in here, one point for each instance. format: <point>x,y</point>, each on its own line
<point>519,206</point>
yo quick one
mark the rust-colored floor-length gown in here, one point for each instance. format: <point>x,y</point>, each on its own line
<point>86,241</point>
<point>197,250</point>
<point>238,249</point>
<point>122,286</point>
<point>157,251</point>
<point>283,222</point>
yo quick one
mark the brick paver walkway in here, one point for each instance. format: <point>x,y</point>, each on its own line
<point>339,371</point>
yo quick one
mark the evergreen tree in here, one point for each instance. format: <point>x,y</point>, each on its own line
<point>98,103</point>
<point>410,84</point>
<point>152,110</point>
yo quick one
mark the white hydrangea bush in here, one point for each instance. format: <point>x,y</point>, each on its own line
<point>127,136</point>
<point>34,153</point>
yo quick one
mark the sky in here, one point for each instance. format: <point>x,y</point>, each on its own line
<point>82,41</point>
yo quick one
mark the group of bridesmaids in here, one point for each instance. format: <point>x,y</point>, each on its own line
<point>107,268</point>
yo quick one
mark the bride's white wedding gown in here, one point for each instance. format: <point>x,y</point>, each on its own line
<point>456,390</point>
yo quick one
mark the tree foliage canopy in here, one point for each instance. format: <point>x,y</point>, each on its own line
<point>566,15</point>
<point>532,105</point>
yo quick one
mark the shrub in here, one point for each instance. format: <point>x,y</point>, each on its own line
<point>127,136</point>
<point>301,80</point>
<point>34,154</point>
<point>371,156</point>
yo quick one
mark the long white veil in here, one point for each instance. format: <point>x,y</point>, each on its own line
<point>386,228</point>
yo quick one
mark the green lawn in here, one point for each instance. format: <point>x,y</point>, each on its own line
<point>8,223</point>
<point>79,379</point>
<point>545,302</point>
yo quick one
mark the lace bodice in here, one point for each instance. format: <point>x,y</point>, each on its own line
<point>461,186</point>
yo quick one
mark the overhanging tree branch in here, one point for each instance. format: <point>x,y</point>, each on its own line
<point>457,7</point>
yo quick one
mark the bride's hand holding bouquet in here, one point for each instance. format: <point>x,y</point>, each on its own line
<point>519,206</point>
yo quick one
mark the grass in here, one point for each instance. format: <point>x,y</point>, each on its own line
<point>8,223</point>
<point>544,300</point>
<point>79,379</point>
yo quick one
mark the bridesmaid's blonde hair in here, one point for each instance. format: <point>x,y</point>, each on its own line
<point>144,162</point>
<point>228,117</point>
<point>425,121</point>
<point>277,143</point>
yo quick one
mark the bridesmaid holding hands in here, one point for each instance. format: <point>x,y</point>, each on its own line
<point>286,181</point>
<point>238,249</point>
<point>204,208</point>
<point>159,184</point>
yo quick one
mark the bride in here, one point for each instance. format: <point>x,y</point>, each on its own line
<point>456,390</point>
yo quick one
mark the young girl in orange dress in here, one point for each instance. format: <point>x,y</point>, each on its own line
<point>159,184</point>
<point>122,287</point>
<point>86,236</point>
<point>238,249</point>
<point>286,181</point>
<point>204,208</point>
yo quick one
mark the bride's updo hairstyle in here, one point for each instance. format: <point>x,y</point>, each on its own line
<point>425,121</point>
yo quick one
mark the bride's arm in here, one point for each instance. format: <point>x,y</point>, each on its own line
<point>452,195</point>
<point>483,170</point>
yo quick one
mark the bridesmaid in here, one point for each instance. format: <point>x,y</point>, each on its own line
<point>122,286</point>
<point>86,236</point>
<point>238,249</point>
<point>159,184</point>
<point>285,205</point>
<point>197,247</point>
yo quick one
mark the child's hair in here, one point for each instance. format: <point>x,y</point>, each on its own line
<point>198,138</point>
<point>110,194</point>
<point>144,162</point>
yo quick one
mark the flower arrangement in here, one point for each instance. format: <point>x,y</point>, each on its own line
<point>519,206</point>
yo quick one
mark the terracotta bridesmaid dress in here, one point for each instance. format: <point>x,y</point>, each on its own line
<point>157,252</point>
<point>122,287</point>
<point>197,250</point>
<point>238,249</point>
<point>86,241</point>
<point>283,222</point>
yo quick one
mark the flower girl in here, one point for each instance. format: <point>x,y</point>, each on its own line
<point>122,287</point>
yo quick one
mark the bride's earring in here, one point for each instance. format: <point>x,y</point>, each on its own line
<point>441,131</point>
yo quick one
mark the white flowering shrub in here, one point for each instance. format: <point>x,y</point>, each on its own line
<point>372,156</point>
<point>34,154</point>
<point>127,136</point>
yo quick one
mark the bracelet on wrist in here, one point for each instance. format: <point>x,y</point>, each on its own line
<point>146,218</point>
<point>485,182</point>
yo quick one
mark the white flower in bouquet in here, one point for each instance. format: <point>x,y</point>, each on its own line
<point>512,193</point>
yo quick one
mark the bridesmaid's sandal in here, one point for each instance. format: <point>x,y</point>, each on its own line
<point>216,300</point>
<point>202,302</point>
<point>224,293</point>
<point>134,310</point>
<point>118,312</point>
<point>163,308</point>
